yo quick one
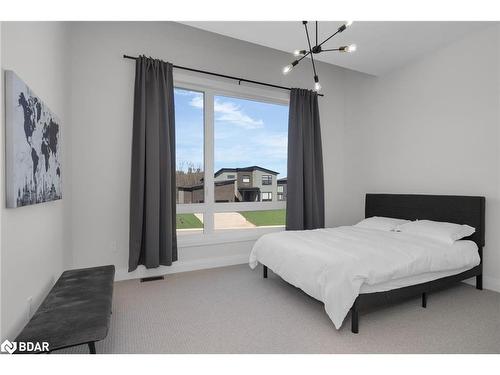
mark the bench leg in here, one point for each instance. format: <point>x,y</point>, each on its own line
<point>265,272</point>
<point>92,347</point>
<point>354,318</point>
<point>479,282</point>
<point>424,300</point>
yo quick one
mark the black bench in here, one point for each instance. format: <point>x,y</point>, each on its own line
<point>76,311</point>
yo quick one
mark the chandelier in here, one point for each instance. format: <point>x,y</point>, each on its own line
<point>316,49</point>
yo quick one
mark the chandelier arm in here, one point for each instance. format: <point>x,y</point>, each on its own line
<point>316,32</point>
<point>310,50</point>
<point>307,54</point>
<point>331,49</point>
<point>330,37</point>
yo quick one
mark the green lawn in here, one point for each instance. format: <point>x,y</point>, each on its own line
<point>264,218</point>
<point>188,221</point>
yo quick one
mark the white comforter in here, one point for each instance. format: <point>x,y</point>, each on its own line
<point>332,264</point>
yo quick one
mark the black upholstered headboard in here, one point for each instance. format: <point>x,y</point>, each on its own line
<point>450,208</point>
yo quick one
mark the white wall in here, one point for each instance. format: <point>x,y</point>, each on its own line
<point>33,239</point>
<point>101,117</point>
<point>431,127</point>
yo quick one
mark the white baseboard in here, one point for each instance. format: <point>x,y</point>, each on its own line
<point>489,283</point>
<point>181,266</point>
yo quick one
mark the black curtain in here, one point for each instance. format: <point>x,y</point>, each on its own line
<point>305,204</point>
<point>153,240</point>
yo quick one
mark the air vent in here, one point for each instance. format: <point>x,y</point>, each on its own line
<point>154,278</point>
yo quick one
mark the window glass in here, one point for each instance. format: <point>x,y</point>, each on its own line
<point>249,219</point>
<point>250,139</point>
<point>189,130</point>
<point>267,179</point>
<point>188,223</point>
<point>267,197</point>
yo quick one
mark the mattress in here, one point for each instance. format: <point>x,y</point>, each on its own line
<point>460,247</point>
<point>335,265</point>
<point>408,281</point>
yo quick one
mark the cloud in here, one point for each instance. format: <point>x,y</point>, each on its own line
<point>226,111</point>
<point>197,101</point>
<point>268,150</point>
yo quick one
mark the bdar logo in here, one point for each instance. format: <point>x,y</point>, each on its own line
<point>8,347</point>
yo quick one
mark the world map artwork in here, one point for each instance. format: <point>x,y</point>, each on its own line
<point>33,168</point>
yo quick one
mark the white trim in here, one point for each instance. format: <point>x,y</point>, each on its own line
<point>186,239</point>
<point>208,222</point>
<point>192,265</point>
<point>243,91</point>
<point>490,283</point>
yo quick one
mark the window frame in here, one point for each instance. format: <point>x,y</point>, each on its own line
<point>269,179</point>
<point>210,89</point>
<point>270,194</point>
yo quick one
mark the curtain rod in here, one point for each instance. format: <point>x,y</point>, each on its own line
<point>222,75</point>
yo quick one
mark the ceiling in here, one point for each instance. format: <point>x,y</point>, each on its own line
<point>382,46</point>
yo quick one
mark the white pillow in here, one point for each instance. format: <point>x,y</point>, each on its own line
<point>446,232</point>
<point>381,223</point>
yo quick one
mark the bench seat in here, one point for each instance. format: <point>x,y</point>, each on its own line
<point>76,311</point>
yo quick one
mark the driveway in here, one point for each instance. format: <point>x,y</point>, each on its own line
<point>229,220</point>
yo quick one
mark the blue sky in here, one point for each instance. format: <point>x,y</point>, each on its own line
<point>246,132</point>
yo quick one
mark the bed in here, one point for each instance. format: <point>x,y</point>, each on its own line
<point>351,269</point>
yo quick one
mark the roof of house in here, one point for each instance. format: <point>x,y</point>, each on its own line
<point>282,180</point>
<point>246,169</point>
<point>200,186</point>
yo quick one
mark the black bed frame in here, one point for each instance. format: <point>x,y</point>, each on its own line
<point>449,208</point>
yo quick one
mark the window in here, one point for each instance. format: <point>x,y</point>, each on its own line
<point>280,189</point>
<point>267,197</point>
<point>227,149</point>
<point>281,197</point>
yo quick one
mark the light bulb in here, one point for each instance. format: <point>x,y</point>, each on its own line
<point>351,48</point>
<point>296,53</point>
<point>317,86</point>
<point>345,26</point>
<point>287,69</point>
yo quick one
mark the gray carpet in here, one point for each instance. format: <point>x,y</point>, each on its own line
<point>234,310</point>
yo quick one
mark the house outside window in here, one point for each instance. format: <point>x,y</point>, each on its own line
<point>267,179</point>
<point>246,179</point>
<point>282,189</point>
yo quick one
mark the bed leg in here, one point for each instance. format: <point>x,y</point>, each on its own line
<point>265,272</point>
<point>355,317</point>
<point>479,282</point>
<point>424,300</point>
